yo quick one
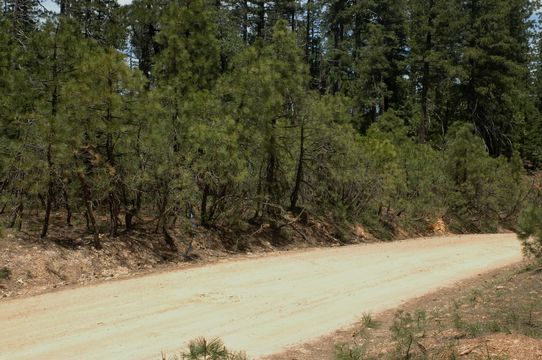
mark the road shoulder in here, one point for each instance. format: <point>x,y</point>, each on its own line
<point>497,314</point>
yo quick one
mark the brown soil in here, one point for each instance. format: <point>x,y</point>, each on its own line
<point>67,258</point>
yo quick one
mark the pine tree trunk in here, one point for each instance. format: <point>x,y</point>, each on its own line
<point>424,121</point>
<point>245,21</point>
<point>308,32</point>
<point>16,214</point>
<point>259,193</point>
<point>422,132</point>
<point>47,216</point>
<point>260,28</point>
<point>91,219</point>
<point>50,194</point>
<point>133,212</point>
<point>68,208</point>
<point>270,178</point>
<point>87,222</point>
<point>54,110</point>
<point>162,207</point>
<point>292,19</point>
<point>204,197</point>
<point>168,238</point>
<point>114,215</point>
<point>299,174</point>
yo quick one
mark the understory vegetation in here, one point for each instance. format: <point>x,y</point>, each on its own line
<point>530,223</point>
<point>245,115</point>
<point>203,349</point>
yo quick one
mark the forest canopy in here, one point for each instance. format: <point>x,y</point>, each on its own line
<point>390,113</point>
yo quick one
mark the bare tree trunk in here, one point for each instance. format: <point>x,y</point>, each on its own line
<point>422,131</point>
<point>54,110</point>
<point>258,193</point>
<point>134,210</point>
<point>50,194</point>
<point>68,208</point>
<point>308,28</point>
<point>205,195</point>
<point>113,214</point>
<point>91,219</point>
<point>260,26</point>
<point>162,206</point>
<point>271,171</point>
<point>245,21</point>
<point>129,208</point>
<point>114,207</point>
<point>16,214</point>
<point>299,174</point>
<point>168,238</point>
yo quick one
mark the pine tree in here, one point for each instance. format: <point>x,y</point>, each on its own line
<point>531,148</point>
<point>495,70</point>
<point>380,59</point>
<point>268,85</point>
<point>143,18</point>
<point>313,41</point>
<point>18,132</point>
<point>55,54</point>
<point>97,19</point>
<point>188,63</point>
<point>435,28</point>
<point>23,16</point>
<point>338,58</point>
<point>96,103</point>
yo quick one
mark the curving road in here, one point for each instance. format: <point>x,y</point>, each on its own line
<point>260,305</point>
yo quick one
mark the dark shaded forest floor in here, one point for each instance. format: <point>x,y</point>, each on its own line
<point>494,316</point>
<point>30,265</point>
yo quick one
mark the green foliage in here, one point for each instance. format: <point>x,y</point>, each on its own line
<point>345,352</point>
<point>368,321</point>
<point>530,231</point>
<point>189,57</point>
<point>348,111</point>
<point>214,349</point>
<point>494,70</point>
<point>485,190</point>
<point>379,86</point>
<point>407,330</point>
<point>100,20</point>
<point>5,273</point>
<point>413,194</point>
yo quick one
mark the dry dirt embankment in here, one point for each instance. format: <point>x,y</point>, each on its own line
<point>260,305</point>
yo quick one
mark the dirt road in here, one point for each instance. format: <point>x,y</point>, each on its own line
<point>260,305</point>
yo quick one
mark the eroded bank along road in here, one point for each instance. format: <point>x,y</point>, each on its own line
<point>258,305</point>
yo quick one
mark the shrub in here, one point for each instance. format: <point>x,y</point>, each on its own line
<point>5,273</point>
<point>203,349</point>
<point>530,231</point>
<point>368,321</point>
<point>485,192</point>
<point>346,352</point>
<point>407,330</point>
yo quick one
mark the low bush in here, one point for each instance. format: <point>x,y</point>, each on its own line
<point>530,232</point>
<point>203,349</point>
<point>5,273</point>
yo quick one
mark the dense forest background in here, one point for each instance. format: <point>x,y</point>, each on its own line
<point>393,114</point>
